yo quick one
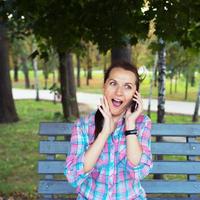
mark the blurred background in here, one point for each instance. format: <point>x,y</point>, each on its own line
<point>55,53</point>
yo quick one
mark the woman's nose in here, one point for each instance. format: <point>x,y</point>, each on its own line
<point>119,91</point>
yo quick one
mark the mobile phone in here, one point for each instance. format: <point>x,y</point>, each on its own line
<point>133,106</point>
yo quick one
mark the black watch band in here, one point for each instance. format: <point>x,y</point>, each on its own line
<point>131,132</point>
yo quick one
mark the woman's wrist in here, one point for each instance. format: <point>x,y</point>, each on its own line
<point>130,126</point>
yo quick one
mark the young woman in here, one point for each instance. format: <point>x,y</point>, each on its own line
<point>111,148</point>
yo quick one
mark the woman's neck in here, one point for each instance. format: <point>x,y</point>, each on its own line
<point>117,118</point>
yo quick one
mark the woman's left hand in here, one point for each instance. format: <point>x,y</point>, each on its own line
<point>130,117</point>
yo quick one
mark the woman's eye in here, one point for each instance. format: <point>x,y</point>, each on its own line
<point>128,87</point>
<point>112,83</point>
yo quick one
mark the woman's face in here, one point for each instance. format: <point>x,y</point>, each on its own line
<point>119,89</point>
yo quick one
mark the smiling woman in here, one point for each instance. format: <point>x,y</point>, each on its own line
<point>110,148</point>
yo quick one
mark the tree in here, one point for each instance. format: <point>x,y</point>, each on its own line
<point>161,82</point>
<point>196,110</point>
<point>115,26</point>
<point>180,17</point>
<point>42,18</point>
<point>7,107</point>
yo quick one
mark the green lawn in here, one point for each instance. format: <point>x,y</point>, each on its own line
<point>19,145</point>
<point>97,81</point>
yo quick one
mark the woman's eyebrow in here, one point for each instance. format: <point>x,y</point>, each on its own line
<point>110,79</point>
<point>129,83</point>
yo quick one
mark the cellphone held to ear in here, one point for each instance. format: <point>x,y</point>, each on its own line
<point>134,106</point>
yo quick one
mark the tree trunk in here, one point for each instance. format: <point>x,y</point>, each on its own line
<point>45,83</point>
<point>171,82</point>
<point>78,71</point>
<point>161,85</point>
<point>121,54</point>
<point>151,85</point>
<point>16,73</point>
<point>104,64</point>
<point>54,83</point>
<point>26,73</point>
<point>35,68</point>
<point>161,95</point>
<point>176,82</point>
<point>68,89</point>
<point>193,79</point>
<point>89,75</point>
<point>7,107</point>
<point>196,110</point>
<point>89,67</point>
<point>156,76</point>
<point>46,76</point>
<point>186,86</point>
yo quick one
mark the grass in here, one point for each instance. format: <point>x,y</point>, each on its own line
<point>19,145</point>
<point>95,85</point>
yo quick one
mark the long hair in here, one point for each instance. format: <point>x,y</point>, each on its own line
<point>99,119</point>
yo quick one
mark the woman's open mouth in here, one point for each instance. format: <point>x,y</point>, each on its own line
<point>116,102</point>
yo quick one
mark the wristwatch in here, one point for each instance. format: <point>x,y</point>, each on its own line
<point>131,132</point>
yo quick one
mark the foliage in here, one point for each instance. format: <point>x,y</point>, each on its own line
<point>67,23</point>
<point>176,20</point>
<point>114,23</point>
<point>182,60</point>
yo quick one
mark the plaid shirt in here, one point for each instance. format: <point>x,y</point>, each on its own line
<point>113,177</point>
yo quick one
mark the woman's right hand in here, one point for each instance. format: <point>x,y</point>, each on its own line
<point>109,125</point>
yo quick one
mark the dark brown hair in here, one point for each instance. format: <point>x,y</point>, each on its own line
<point>99,119</point>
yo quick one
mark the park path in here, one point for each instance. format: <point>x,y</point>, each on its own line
<point>176,107</point>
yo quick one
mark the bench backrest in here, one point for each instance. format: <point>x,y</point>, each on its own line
<point>56,145</point>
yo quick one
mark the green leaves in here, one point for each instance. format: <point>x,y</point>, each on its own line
<point>176,21</point>
<point>108,23</point>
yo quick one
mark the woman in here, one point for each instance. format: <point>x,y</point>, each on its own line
<point>111,148</point>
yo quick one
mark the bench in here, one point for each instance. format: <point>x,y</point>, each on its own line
<point>181,162</point>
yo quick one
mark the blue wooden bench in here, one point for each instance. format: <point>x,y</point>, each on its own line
<point>180,158</point>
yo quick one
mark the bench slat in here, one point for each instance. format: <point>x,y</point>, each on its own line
<point>153,187</point>
<point>176,130</point>
<point>53,128</point>
<point>54,147</point>
<point>174,148</point>
<point>169,187</point>
<point>164,167</point>
<point>55,187</point>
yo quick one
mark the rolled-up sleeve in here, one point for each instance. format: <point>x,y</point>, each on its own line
<point>74,167</point>
<point>141,170</point>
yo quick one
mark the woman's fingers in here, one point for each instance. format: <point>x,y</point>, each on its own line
<point>138,96</point>
<point>105,105</point>
<point>138,99</point>
<point>102,111</point>
<point>106,102</point>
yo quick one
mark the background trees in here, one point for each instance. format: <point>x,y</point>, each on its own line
<point>68,26</point>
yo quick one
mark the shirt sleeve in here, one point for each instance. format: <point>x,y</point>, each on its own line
<point>74,167</point>
<point>141,170</point>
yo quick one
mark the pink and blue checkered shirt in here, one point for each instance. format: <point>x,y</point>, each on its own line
<point>113,177</point>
